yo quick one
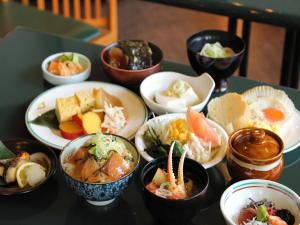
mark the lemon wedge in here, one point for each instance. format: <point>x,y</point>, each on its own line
<point>30,174</point>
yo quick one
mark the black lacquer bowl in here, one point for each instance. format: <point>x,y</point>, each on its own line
<point>175,212</point>
<point>30,146</point>
<point>219,68</point>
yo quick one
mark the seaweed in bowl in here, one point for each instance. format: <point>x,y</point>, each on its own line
<point>131,55</point>
<point>129,62</point>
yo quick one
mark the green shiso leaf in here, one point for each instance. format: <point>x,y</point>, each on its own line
<point>5,153</point>
<point>262,213</point>
<point>47,119</point>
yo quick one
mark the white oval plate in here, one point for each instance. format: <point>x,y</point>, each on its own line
<point>137,111</point>
<point>164,119</point>
<point>291,140</point>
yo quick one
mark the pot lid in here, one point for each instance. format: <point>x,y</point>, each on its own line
<point>256,143</point>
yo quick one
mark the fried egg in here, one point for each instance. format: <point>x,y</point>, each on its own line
<point>270,108</point>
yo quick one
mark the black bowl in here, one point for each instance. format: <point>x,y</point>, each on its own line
<point>30,146</point>
<point>175,211</point>
<point>219,68</point>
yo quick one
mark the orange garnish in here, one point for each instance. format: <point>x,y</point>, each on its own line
<point>273,114</point>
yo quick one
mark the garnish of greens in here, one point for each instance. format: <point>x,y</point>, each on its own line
<point>72,57</point>
<point>155,147</point>
<point>100,145</point>
<point>262,213</point>
<point>5,153</point>
<point>47,119</point>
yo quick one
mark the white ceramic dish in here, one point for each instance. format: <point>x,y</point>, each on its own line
<point>237,195</point>
<point>203,86</point>
<point>165,119</point>
<point>59,80</point>
<point>291,140</point>
<point>137,112</point>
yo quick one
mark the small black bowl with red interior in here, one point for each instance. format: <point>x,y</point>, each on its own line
<point>175,209</point>
<point>220,68</point>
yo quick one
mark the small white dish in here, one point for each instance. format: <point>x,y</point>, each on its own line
<point>237,196</point>
<point>59,80</point>
<point>137,111</point>
<point>203,86</point>
<point>291,140</point>
<point>165,119</point>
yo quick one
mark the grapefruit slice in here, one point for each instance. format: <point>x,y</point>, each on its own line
<point>201,128</point>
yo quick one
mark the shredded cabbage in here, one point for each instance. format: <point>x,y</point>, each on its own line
<point>103,144</point>
<point>216,50</point>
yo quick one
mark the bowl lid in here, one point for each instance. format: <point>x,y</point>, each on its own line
<point>257,143</point>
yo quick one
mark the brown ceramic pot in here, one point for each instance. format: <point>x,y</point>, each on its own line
<point>255,153</point>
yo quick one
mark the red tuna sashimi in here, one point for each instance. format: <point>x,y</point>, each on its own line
<point>246,215</point>
<point>201,128</point>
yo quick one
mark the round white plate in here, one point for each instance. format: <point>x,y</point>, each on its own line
<point>164,119</point>
<point>137,111</point>
<point>292,138</point>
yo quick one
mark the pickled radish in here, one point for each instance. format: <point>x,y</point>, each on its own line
<point>201,128</point>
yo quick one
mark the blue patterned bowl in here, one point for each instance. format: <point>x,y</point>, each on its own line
<point>97,193</point>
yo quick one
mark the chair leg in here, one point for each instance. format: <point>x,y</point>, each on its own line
<point>288,57</point>
<point>246,37</point>
<point>232,25</point>
<point>295,71</point>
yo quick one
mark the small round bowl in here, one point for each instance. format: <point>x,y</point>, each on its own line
<point>175,211</point>
<point>219,68</point>
<point>203,86</point>
<point>131,77</point>
<point>237,196</point>
<point>243,167</point>
<point>59,80</point>
<point>97,193</point>
<point>30,146</point>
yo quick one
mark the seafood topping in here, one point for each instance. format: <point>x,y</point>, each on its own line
<point>24,169</point>
<point>264,212</point>
<point>103,158</point>
<point>164,183</point>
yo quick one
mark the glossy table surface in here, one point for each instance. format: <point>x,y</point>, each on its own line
<point>14,14</point>
<point>283,13</point>
<point>21,54</point>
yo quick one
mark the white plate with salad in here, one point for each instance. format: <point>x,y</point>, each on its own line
<point>153,139</point>
<point>121,112</point>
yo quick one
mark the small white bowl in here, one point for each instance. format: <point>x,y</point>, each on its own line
<point>59,80</point>
<point>203,86</point>
<point>165,119</point>
<point>237,196</point>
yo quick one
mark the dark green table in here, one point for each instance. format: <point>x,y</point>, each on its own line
<point>14,14</point>
<point>21,54</point>
<point>276,12</point>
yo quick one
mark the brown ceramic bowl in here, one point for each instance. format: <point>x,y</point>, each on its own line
<point>131,77</point>
<point>255,153</point>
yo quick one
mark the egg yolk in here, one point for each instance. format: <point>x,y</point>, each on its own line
<point>273,114</point>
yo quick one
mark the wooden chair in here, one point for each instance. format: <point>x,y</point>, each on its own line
<point>87,11</point>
